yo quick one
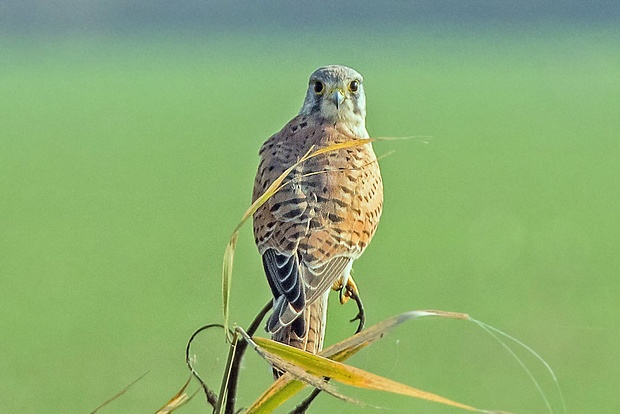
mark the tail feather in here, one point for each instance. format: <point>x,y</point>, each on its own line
<point>314,319</point>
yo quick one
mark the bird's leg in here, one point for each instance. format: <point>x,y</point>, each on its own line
<point>350,291</point>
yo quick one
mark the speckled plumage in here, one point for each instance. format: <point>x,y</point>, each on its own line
<point>310,232</point>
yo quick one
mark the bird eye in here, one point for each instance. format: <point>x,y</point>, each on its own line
<point>319,87</point>
<point>354,86</point>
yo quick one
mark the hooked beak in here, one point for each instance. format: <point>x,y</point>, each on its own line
<point>337,98</point>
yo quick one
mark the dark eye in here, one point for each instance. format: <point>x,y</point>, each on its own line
<point>318,87</point>
<point>354,86</point>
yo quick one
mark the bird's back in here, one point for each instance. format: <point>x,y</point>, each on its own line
<point>330,205</point>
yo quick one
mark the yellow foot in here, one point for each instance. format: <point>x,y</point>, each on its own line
<point>347,292</point>
<point>350,291</point>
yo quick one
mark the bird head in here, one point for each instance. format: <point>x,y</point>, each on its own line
<point>335,93</point>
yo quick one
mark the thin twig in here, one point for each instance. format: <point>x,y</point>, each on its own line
<point>209,393</point>
<point>222,399</point>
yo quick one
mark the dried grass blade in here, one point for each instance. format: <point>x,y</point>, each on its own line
<point>118,394</point>
<point>286,386</point>
<point>292,371</point>
<point>179,399</point>
<point>494,332</point>
<point>322,367</point>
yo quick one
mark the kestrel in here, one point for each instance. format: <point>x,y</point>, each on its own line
<point>311,230</point>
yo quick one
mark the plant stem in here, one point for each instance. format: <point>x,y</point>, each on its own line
<point>241,346</point>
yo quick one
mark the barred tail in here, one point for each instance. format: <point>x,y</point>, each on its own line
<point>315,318</point>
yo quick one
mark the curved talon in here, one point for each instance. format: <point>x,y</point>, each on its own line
<point>359,317</point>
<point>353,293</point>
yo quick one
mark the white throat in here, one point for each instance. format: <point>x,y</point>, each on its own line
<point>346,117</point>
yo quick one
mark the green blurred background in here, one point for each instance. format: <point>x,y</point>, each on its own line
<point>129,134</point>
